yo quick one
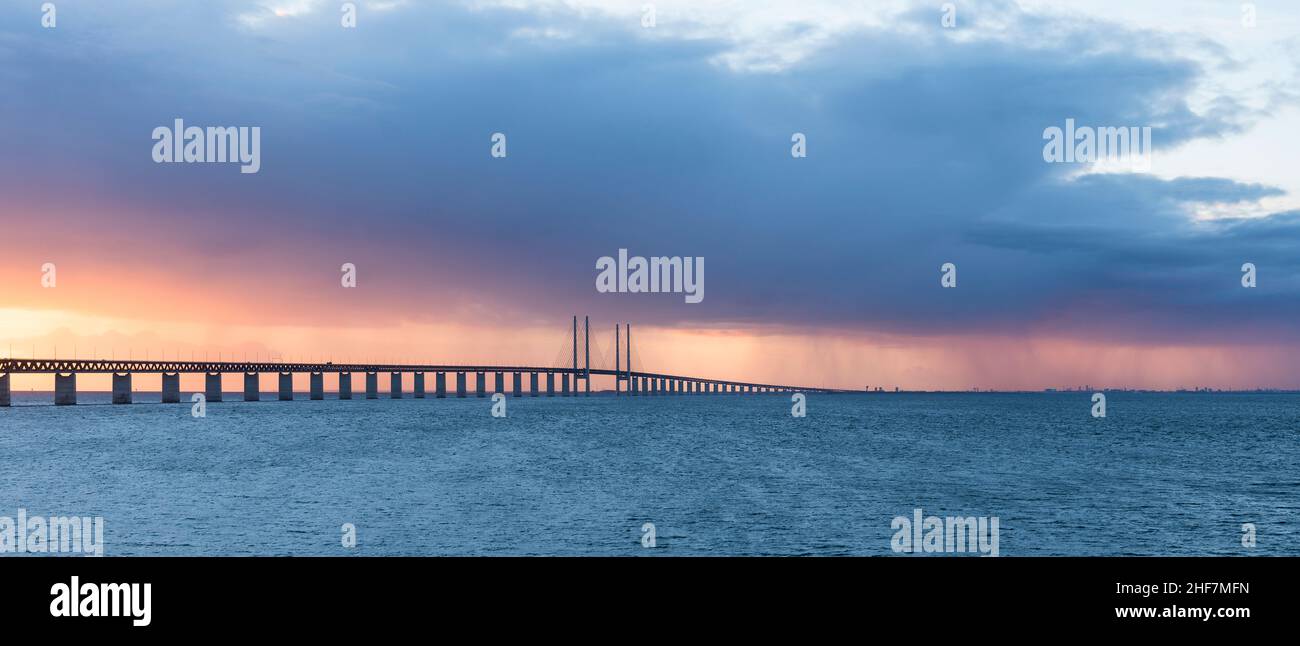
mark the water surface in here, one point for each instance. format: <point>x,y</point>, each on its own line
<point>715,474</point>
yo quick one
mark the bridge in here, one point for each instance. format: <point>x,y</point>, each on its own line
<point>627,381</point>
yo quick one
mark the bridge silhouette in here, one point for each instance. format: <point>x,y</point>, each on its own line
<point>627,381</point>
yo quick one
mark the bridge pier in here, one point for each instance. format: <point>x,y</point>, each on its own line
<point>395,386</point>
<point>345,385</point>
<point>122,388</point>
<point>171,388</point>
<point>286,386</point>
<point>372,385</point>
<point>501,383</point>
<point>65,389</point>
<point>519,385</point>
<point>550,384</point>
<point>4,390</point>
<point>480,384</point>
<point>212,387</point>
<point>440,385</point>
<point>564,384</point>
<point>252,386</point>
<point>317,386</point>
<point>532,383</point>
<point>460,384</point>
<point>419,385</point>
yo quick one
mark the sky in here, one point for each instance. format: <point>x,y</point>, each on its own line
<point>924,147</point>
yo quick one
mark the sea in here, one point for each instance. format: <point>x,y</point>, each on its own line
<point>1160,474</point>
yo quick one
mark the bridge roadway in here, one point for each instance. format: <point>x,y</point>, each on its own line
<point>633,382</point>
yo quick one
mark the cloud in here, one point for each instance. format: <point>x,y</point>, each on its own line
<point>924,148</point>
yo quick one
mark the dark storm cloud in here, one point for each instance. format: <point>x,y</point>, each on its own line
<point>921,151</point>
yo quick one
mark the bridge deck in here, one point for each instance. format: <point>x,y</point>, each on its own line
<point>103,366</point>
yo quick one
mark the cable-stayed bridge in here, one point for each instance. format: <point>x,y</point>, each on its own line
<point>574,377</point>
